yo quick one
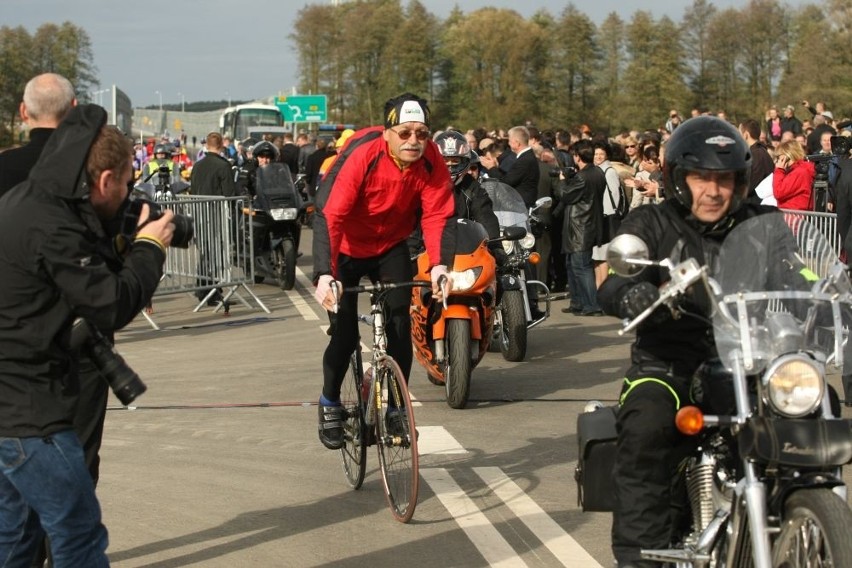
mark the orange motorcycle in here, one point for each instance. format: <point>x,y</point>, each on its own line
<point>451,338</point>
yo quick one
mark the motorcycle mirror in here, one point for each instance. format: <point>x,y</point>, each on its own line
<point>627,255</point>
<point>543,203</point>
<point>513,233</point>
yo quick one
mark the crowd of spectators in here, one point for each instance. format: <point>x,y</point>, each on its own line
<point>794,165</point>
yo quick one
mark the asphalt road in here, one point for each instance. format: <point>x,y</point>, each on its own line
<point>219,463</point>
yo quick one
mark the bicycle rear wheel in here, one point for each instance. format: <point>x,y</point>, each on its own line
<point>354,450</point>
<point>398,457</point>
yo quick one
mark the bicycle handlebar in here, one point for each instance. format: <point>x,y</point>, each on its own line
<point>385,286</point>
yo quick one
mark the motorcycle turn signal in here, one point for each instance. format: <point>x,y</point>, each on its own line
<point>689,420</point>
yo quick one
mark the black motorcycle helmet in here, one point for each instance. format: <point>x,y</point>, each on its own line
<point>453,144</point>
<point>162,149</point>
<point>706,143</point>
<point>265,148</point>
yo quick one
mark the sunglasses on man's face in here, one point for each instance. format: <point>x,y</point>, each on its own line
<point>406,133</point>
<point>631,146</point>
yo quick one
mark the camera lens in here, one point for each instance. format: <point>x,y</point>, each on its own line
<point>123,380</point>
<point>184,231</point>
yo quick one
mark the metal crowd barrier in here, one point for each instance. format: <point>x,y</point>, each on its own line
<point>826,223</point>
<point>220,256</point>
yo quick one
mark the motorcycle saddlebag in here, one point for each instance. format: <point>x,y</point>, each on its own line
<point>596,460</point>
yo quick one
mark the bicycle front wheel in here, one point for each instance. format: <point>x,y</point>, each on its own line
<point>397,443</point>
<point>354,450</point>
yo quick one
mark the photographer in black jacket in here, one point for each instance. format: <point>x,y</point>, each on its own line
<point>59,263</point>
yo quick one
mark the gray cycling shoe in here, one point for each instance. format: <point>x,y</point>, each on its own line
<point>330,426</point>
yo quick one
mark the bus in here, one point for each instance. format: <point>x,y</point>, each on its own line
<point>241,121</point>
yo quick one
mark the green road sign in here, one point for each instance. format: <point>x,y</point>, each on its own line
<point>303,108</point>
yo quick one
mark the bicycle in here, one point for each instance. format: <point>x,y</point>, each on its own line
<point>367,399</point>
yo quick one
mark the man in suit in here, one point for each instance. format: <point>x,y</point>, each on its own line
<point>47,99</point>
<point>524,173</point>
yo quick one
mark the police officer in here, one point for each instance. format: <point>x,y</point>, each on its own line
<point>706,180</point>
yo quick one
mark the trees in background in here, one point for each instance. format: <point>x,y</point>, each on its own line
<point>65,49</point>
<point>491,67</point>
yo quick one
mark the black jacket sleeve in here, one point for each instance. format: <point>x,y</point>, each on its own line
<point>108,299</point>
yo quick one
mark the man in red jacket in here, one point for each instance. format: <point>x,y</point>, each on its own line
<point>367,206</point>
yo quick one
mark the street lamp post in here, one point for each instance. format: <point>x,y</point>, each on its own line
<point>161,99</point>
<point>182,102</point>
<point>227,94</point>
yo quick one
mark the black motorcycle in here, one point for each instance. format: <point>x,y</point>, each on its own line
<point>275,212</point>
<point>763,486</point>
<point>514,316</point>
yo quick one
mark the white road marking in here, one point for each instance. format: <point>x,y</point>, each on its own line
<point>557,541</point>
<point>487,540</point>
<point>435,440</point>
<point>298,301</point>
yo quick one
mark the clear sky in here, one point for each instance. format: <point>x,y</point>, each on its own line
<point>221,49</point>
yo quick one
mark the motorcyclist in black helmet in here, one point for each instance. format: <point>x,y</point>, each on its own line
<point>472,201</point>
<point>262,154</point>
<point>707,171</point>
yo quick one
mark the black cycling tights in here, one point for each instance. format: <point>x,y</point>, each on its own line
<point>392,266</point>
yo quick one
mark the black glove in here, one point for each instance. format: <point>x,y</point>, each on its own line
<point>637,299</point>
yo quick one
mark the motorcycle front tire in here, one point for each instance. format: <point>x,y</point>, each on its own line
<point>513,334</point>
<point>286,268</point>
<point>814,531</point>
<point>459,366</point>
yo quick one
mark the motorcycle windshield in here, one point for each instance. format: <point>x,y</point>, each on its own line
<point>507,203</point>
<point>469,236</point>
<point>781,286</point>
<point>274,182</point>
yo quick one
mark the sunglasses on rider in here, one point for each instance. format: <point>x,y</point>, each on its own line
<point>406,133</point>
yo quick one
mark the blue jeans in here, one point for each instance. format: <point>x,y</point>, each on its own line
<point>581,280</point>
<point>50,476</point>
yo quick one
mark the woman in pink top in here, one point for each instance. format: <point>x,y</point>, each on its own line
<point>793,179</point>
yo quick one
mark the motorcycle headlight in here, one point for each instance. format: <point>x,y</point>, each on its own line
<point>284,213</point>
<point>528,242</point>
<point>794,386</point>
<point>465,279</point>
<point>509,246</point>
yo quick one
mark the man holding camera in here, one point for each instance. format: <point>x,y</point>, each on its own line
<point>60,262</point>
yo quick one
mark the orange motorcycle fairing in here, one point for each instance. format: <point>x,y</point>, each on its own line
<point>475,304</point>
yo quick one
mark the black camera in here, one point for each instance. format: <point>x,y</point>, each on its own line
<point>124,382</point>
<point>184,227</point>
<point>567,171</point>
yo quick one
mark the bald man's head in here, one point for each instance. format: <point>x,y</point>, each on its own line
<point>47,99</point>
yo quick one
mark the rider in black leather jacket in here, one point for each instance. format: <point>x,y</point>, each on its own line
<point>707,169</point>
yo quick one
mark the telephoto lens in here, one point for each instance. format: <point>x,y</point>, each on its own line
<point>124,382</point>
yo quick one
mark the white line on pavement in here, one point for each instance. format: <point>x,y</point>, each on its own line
<point>297,299</point>
<point>560,543</point>
<point>487,540</point>
<point>435,440</point>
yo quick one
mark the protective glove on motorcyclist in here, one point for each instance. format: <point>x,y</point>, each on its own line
<point>324,294</point>
<point>637,299</point>
<point>437,271</point>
